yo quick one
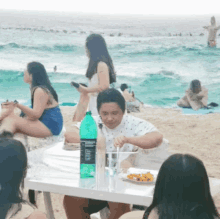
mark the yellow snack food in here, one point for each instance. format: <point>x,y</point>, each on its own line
<point>148,177</point>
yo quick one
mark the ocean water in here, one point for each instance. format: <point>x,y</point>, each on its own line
<point>147,51</point>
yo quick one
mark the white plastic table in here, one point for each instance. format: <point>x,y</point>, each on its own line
<point>56,170</point>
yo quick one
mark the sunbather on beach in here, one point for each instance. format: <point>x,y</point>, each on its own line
<point>100,73</point>
<point>212,29</point>
<point>132,104</point>
<point>182,190</point>
<point>124,131</point>
<point>44,118</point>
<point>13,168</point>
<point>196,96</point>
<point>129,97</point>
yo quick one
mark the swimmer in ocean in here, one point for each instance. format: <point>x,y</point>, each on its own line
<point>55,68</point>
<point>212,29</point>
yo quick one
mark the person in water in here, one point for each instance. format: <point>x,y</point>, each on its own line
<point>196,96</point>
<point>44,118</point>
<point>212,29</point>
<point>55,68</point>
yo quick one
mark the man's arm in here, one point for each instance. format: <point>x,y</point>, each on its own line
<point>147,141</point>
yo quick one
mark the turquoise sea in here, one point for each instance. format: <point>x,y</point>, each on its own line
<point>148,53</point>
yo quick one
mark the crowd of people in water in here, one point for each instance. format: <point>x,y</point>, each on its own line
<point>182,188</point>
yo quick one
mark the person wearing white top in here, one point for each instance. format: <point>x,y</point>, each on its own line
<point>100,73</point>
<point>212,29</point>
<point>123,131</point>
<point>130,126</point>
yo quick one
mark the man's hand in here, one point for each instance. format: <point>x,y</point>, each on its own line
<point>120,141</point>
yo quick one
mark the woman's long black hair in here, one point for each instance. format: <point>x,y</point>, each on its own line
<point>98,52</point>
<point>13,168</point>
<point>182,190</point>
<point>40,78</point>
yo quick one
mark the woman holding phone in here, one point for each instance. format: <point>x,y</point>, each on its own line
<point>100,74</point>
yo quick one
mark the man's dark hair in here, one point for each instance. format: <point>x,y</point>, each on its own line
<point>123,87</point>
<point>111,96</point>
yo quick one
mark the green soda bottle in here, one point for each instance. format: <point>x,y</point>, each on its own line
<point>88,138</point>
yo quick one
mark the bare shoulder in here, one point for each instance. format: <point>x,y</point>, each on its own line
<point>41,95</point>
<point>102,66</point>
<point>187,90</point>
<point>204,88</point>
<point>39,91</point>
<point>153,214</point>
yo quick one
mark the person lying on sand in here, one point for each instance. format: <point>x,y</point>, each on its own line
<point>129,97</point>
<point>132,103</point>
<point>196,96</point>
<point>212,29</point>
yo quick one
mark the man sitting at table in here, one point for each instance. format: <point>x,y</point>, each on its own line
<point>120,130</point>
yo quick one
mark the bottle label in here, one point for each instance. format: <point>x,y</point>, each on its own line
<point>87,158</point>
<point>88,151</point>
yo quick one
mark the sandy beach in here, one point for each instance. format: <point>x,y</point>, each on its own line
<point>194,134</point>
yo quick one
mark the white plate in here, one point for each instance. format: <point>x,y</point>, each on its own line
<point>123,176</point>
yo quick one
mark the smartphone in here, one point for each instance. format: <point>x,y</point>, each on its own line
<point>76,85</point>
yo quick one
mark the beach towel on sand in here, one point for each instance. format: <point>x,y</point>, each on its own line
<point>189,111</point>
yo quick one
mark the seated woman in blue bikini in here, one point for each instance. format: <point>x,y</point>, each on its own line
<point>44,118</point>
